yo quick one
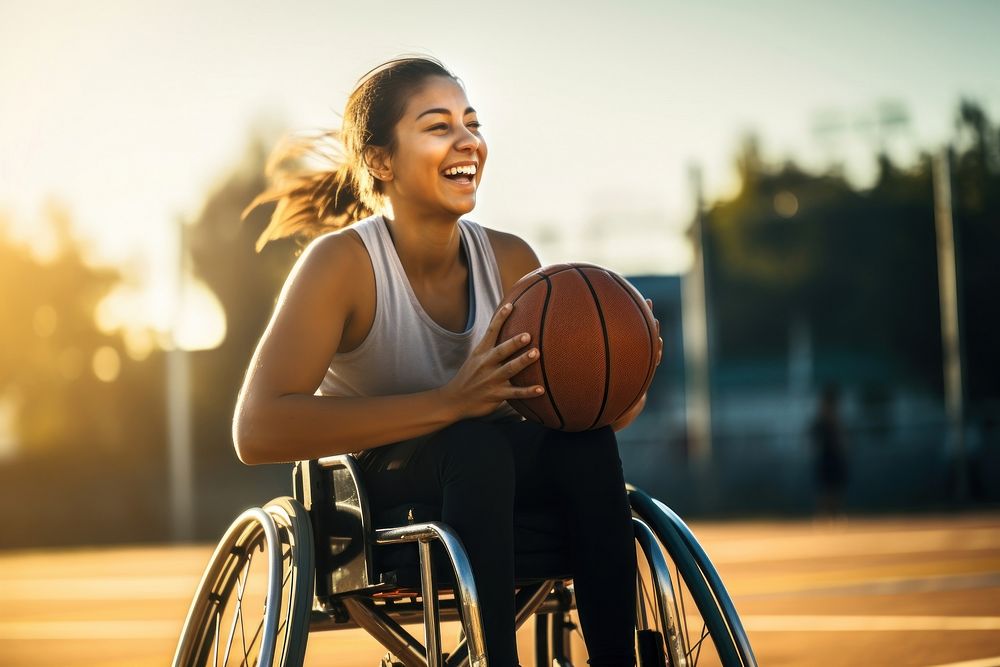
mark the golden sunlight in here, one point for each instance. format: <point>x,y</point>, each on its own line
<point>106,363</point>
<point>9,406</point>
<point>144,317</point>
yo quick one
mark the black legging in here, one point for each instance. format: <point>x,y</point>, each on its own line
<point>479,471</point>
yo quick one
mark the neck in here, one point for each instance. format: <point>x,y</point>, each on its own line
<point>428,247</point>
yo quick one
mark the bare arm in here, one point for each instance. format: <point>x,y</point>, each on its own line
<point>278,417</point>
<point>514,257</point>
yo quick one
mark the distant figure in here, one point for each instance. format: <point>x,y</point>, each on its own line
<point>981,458</point>
<point>827,436</point>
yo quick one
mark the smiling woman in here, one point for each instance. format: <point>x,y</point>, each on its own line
<point>314,201</point>
<point>384,343</point>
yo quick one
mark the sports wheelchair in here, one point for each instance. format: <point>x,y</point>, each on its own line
<point>328,564</point>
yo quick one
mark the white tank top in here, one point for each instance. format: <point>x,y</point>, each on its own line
<point>406,351</point>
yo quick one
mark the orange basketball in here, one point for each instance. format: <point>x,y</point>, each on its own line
<point>597,342</point>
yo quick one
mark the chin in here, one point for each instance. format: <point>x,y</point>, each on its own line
<point>462,208</point>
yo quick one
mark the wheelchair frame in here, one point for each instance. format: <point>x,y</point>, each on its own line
<point>319,546</point>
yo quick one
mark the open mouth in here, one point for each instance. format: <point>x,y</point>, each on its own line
<point>464,175</point>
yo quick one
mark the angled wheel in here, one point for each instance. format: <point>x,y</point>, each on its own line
<point>252,605</point>
<point>691,616</point>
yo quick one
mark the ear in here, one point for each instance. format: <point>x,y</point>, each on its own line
<point>379,163</point>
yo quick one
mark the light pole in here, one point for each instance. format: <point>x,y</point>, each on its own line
<point>178,379</point>
<point>951,341</point>
<point>694,319</point>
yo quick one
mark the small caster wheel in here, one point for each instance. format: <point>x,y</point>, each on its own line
<point>389,660</point>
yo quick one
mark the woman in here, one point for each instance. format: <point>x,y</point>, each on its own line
<point>383,343</point>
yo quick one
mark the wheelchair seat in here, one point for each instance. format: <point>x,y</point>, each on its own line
<point>541,549</point>
<point>352,560</point>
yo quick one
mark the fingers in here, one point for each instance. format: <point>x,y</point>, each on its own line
<point>493,330</point>
<point>659,347</point>
<point>515,366</point>
<point>509,347</point>
<point>519,363</point>
<point>526,392</point>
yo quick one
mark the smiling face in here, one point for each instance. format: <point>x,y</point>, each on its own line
<point>439,154</point>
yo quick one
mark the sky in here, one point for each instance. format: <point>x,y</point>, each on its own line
<point>594,112</point>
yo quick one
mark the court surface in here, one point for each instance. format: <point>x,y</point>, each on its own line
<point>921,591</point>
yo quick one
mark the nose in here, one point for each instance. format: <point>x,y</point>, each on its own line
<point>467,140</point>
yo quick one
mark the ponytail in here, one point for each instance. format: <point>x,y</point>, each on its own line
<point>314,201</point>
<point>310,201</point>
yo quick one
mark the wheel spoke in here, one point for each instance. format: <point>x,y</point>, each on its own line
<point>239,604</point>
<point>220,608</point>
<point>290,594</point>
<point>683,612</point>
<point>243,630</point>
<point>704,635</point>
<point>238,613</point>
<point>253,640</point>
<point>215,647</point>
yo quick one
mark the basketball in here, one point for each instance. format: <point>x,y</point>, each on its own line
<point>597,344</point>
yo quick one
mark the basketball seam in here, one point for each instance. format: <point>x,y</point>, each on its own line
<point>607,349</point>
<point>541,334</point>
<point>652,346</point>
<point>523,403</point>
<point>525,291</point>
<point>556,273</point>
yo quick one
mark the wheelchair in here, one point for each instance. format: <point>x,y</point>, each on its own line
<point>329,564</point>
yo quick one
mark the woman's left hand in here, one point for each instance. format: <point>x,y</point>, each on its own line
<point>630,416</point>
<point>659,338</point>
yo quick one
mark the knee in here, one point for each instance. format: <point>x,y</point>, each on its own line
<point>472,449</point>
<point>589,449</point>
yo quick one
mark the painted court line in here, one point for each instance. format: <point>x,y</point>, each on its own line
<point>981,662</point>
<point>853,545</point>
<point>100,588</point>
<point>78,630</point>
<point>818,623</point>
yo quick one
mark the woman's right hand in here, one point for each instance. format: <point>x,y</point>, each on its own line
<point>483,381</point>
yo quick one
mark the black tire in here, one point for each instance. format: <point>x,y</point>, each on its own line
<point>237,589</point>
<point>694,580</point>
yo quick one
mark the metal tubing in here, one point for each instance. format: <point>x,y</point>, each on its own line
<point>533,602</point>
<point>641,621</point>
<point>714,582</point>
<point>388,633</point>
<point>271,610</point>
<point>526,601</point>
<point>663,593</point>
<point>561,626</point>
<point>404,612</point>
<point>541,639</point>
<point>465,585</point>
<point>236,534</point>
<point>428,589</point>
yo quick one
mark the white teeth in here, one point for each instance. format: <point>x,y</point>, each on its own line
<point>466,169</point>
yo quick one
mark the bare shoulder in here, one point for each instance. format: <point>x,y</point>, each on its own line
<point>330,269</point>
<point>332,254</point>
<point>515,256</point>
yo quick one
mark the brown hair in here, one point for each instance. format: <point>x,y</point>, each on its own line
<point>314,201</point>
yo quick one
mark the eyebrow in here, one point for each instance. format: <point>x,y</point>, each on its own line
<point>468,110</point>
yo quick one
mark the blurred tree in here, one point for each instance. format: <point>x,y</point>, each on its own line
<point>976,201</point>
<point>247,285</point>
<point>84,413</point>
<point>859,265</point>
